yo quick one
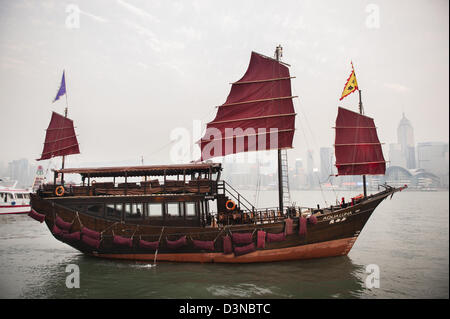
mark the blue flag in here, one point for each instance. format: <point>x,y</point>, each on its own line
<point>62,88</point>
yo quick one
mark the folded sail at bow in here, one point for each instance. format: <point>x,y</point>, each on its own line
<point>60,139</point>
<point>257,115</point>
<point>358,150</point>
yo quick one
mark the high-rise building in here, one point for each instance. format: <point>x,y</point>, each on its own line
<point>396,157</point>
<point>18,170</point>
<point>298,165</point>
<point>433,157</point>
<point>326,163</point>
<point>313,177</point>
<point>405,137</point>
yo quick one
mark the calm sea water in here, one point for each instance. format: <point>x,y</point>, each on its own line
<point>407,238</point>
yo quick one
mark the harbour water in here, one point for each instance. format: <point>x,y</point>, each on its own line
<point>407,238</point>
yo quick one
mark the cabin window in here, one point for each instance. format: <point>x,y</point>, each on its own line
<point>154,210</point>
<point>10,196</point>
<point>19,195</point>
<point>26,196</point>
<point>114,210</point>
<point>173,209</point>
<point>190,209</point>
<point>133,210</point>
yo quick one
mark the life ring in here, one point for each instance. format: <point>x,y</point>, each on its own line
<point>59,191</point>
<point>233,205</point>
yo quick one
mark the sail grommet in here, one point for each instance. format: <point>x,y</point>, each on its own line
<point>59,191</point>
<point>227,205</point>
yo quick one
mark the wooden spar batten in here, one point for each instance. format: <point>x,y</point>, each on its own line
<point>362,113</point>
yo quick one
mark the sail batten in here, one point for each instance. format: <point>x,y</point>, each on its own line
<point>357,148</point>
<point>60,138</point>
<point>268,80</point>
<point>260,100</point>
<point>258,113</point>
<point>248,135</point>
<point>255,118</point>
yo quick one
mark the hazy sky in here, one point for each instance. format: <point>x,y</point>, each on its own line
<point>137,70</point>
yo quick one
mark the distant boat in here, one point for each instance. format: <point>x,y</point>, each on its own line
<point>165,215</point>
<point>14,200</point>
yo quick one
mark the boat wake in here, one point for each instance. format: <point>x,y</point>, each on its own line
<point>241,291</point>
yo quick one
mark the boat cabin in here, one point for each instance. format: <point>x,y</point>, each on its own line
<point>176,195</point>
<point>19,197</point>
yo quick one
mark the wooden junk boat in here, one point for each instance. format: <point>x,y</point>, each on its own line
<point>167,217</point>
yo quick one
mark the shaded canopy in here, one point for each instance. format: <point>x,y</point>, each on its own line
<point>154,170</point>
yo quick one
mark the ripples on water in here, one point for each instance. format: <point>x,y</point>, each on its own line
<point>407,237</point>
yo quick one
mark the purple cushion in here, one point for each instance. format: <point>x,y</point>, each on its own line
<point>238,251</point>
<point>227,248</point>
<point>94,243</point>
<point>312,219</point>
<point>261,235</point>
<point>289,225</point>
<point>302,226</point>
<point>90,233</point>
<point>72,236</point>
<point>201,244</point>
<point>35,215</point>
<point>152,245</point>
<point>275,237</point>
<point>62,224</point>
<point>58,231</point>
<point>174,244</point>
<point>122,241</point>
<point>242,238</point>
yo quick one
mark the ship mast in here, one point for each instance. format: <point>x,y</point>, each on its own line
<point>278,55</point>
<point>65,116</point>
<point>362,113</point>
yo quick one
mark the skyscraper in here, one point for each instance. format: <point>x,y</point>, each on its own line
<point>434,157</point>
<point>326,163</point>
<point>405,137</point>
<point>396,157</point>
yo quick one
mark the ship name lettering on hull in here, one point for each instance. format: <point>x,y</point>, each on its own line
<point>341,215</point>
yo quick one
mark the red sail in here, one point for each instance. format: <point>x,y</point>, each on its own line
<point>60,138</point>
<point>358,150</point>
<point>257,115</point>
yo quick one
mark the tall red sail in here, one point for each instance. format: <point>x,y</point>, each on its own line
<point>60,138</point>
<point>257,115</point>
<point>358,150</point>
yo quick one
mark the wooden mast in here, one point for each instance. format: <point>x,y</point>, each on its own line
<point>278,51</point>
<point>361,112</point>
<point>65,116</point>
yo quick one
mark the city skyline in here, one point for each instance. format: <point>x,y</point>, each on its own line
<point>423,157</point>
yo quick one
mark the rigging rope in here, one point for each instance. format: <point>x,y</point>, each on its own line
<point>306,139</point>
<point>156,252</point>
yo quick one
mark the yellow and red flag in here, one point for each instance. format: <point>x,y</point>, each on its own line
<point>351,85</point>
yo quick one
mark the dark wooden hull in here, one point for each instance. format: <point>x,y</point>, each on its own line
<point>333,235</point>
